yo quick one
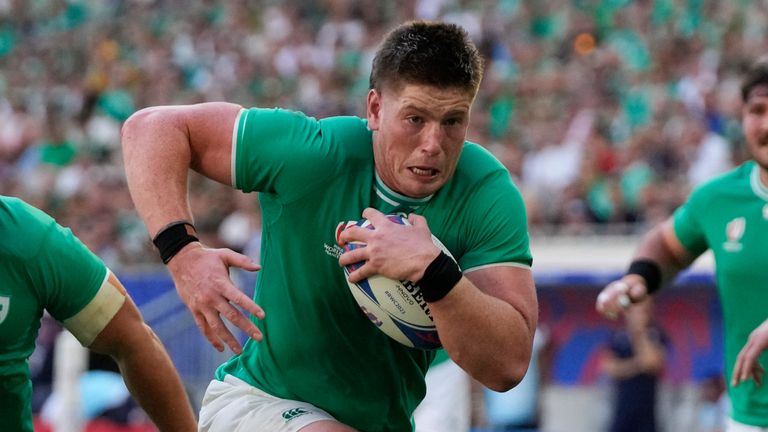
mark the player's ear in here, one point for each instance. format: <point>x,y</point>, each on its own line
<point>373,105</point>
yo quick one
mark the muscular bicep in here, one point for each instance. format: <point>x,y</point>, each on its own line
<point>123,332</point>
<point>680,256</point>
<point>170,139</point>
<point>211,129</point>
<point>511,283</point>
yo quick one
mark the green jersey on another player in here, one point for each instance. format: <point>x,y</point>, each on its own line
<point>729,215</point>
<point>43,266</point>
<point>314,176</point>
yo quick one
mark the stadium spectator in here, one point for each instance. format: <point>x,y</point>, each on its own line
<point>634,359</point>
<point>727,215</point>
<point>97,62</point>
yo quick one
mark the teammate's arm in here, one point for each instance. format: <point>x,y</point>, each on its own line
<point>147,370</point>
<point>160,145</point>
<point>659,246</point>
<point>486,321</point>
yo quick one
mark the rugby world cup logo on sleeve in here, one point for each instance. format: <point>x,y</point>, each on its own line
<point>733,233</point>
<point>5,305</point>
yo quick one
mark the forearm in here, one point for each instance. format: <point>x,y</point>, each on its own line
<point>649,356</point>
<point>662,247</point>
<point>158,389</point>
<point>486,336</point>
<point>157,158</point>
<point>621,368</point>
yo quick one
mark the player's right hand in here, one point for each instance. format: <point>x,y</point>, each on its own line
<point>748,361</point>
<point>201,276</point>
<point>618,295</point>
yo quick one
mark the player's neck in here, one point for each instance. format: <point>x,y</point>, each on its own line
<point>764,176</point>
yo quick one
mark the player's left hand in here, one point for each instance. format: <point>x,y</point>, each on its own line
<point>392,250</point>
<point>747,362</point>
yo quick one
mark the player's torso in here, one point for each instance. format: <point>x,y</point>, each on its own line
<point>319,347</point>
<point>735,221</point>
<point>20,313</point>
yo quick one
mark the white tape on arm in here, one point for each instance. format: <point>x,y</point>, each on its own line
<point>91,320</point>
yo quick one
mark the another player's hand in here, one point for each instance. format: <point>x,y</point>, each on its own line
<point>616,297</point>
<point>392,250</point>
<point>202,280</point>
<point>747,362</point>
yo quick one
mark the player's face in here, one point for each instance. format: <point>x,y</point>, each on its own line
<point>419,133</point>
<point>755,124</point>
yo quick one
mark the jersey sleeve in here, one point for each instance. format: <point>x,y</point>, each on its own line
<point>499,226</point>
<point>687,225</point>
<point>65,273</point>
<point>287,153</point>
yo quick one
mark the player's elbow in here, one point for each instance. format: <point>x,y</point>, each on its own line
<point>507,377</point>
<point>140,125</point>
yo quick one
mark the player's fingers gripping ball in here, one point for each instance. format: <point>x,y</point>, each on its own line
<point>396,307</point>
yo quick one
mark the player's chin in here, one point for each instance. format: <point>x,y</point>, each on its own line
<point>422,191</point>
<point>423,186</point>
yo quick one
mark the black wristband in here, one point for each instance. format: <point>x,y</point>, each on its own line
<point>441,275</point>
<point>173,237</point>
<point>648,270</point>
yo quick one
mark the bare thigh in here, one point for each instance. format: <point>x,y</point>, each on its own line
<point>327,426</point>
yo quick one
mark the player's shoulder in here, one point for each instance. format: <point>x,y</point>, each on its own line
<point>286,117</point>
<point>347,129</point>
<point>477,162</point>
<point>22,227</point>
<point>732,180</point>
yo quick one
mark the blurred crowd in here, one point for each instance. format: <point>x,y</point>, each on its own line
<point>606,112</point>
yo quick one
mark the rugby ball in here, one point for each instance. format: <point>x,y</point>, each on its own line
<point>396,307</point>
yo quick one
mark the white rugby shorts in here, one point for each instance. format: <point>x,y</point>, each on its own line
<point>233,405</point>
<point>734,426</point>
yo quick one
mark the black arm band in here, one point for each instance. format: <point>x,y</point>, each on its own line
<point>173,237</point>
<point>648,270</point>
<point>441,275</point>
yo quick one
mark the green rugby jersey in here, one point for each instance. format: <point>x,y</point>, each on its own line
<point>318,346</point>
<point>42,266</point>
<point>729,215</point>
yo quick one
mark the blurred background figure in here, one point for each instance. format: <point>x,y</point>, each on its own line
<point>447,405</point>
<point>712,410</point>
<point>634,359</point>
<point>519,409</point>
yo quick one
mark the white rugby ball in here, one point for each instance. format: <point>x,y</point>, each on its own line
<point>396,307</point>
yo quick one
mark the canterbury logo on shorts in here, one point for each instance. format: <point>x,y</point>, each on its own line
<point>293,413</point>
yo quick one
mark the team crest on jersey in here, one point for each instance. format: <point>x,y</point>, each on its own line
<point>5,305</point>
<point>733,233</point>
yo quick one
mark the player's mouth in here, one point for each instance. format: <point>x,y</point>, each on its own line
<point>423,171</point>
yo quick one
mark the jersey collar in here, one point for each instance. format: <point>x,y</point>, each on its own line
<point>397,200</point>
<point>758,187</point>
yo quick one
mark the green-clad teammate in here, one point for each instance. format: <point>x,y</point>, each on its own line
<point>315,362</point>
<point>43,266</point>
<point>729,215</point>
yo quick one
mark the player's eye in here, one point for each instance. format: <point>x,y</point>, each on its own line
<point>455,121</point>
<point>415,120</point>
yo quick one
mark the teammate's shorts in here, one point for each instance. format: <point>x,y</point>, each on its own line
<point>233,405</point>
<point>734,426</point>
